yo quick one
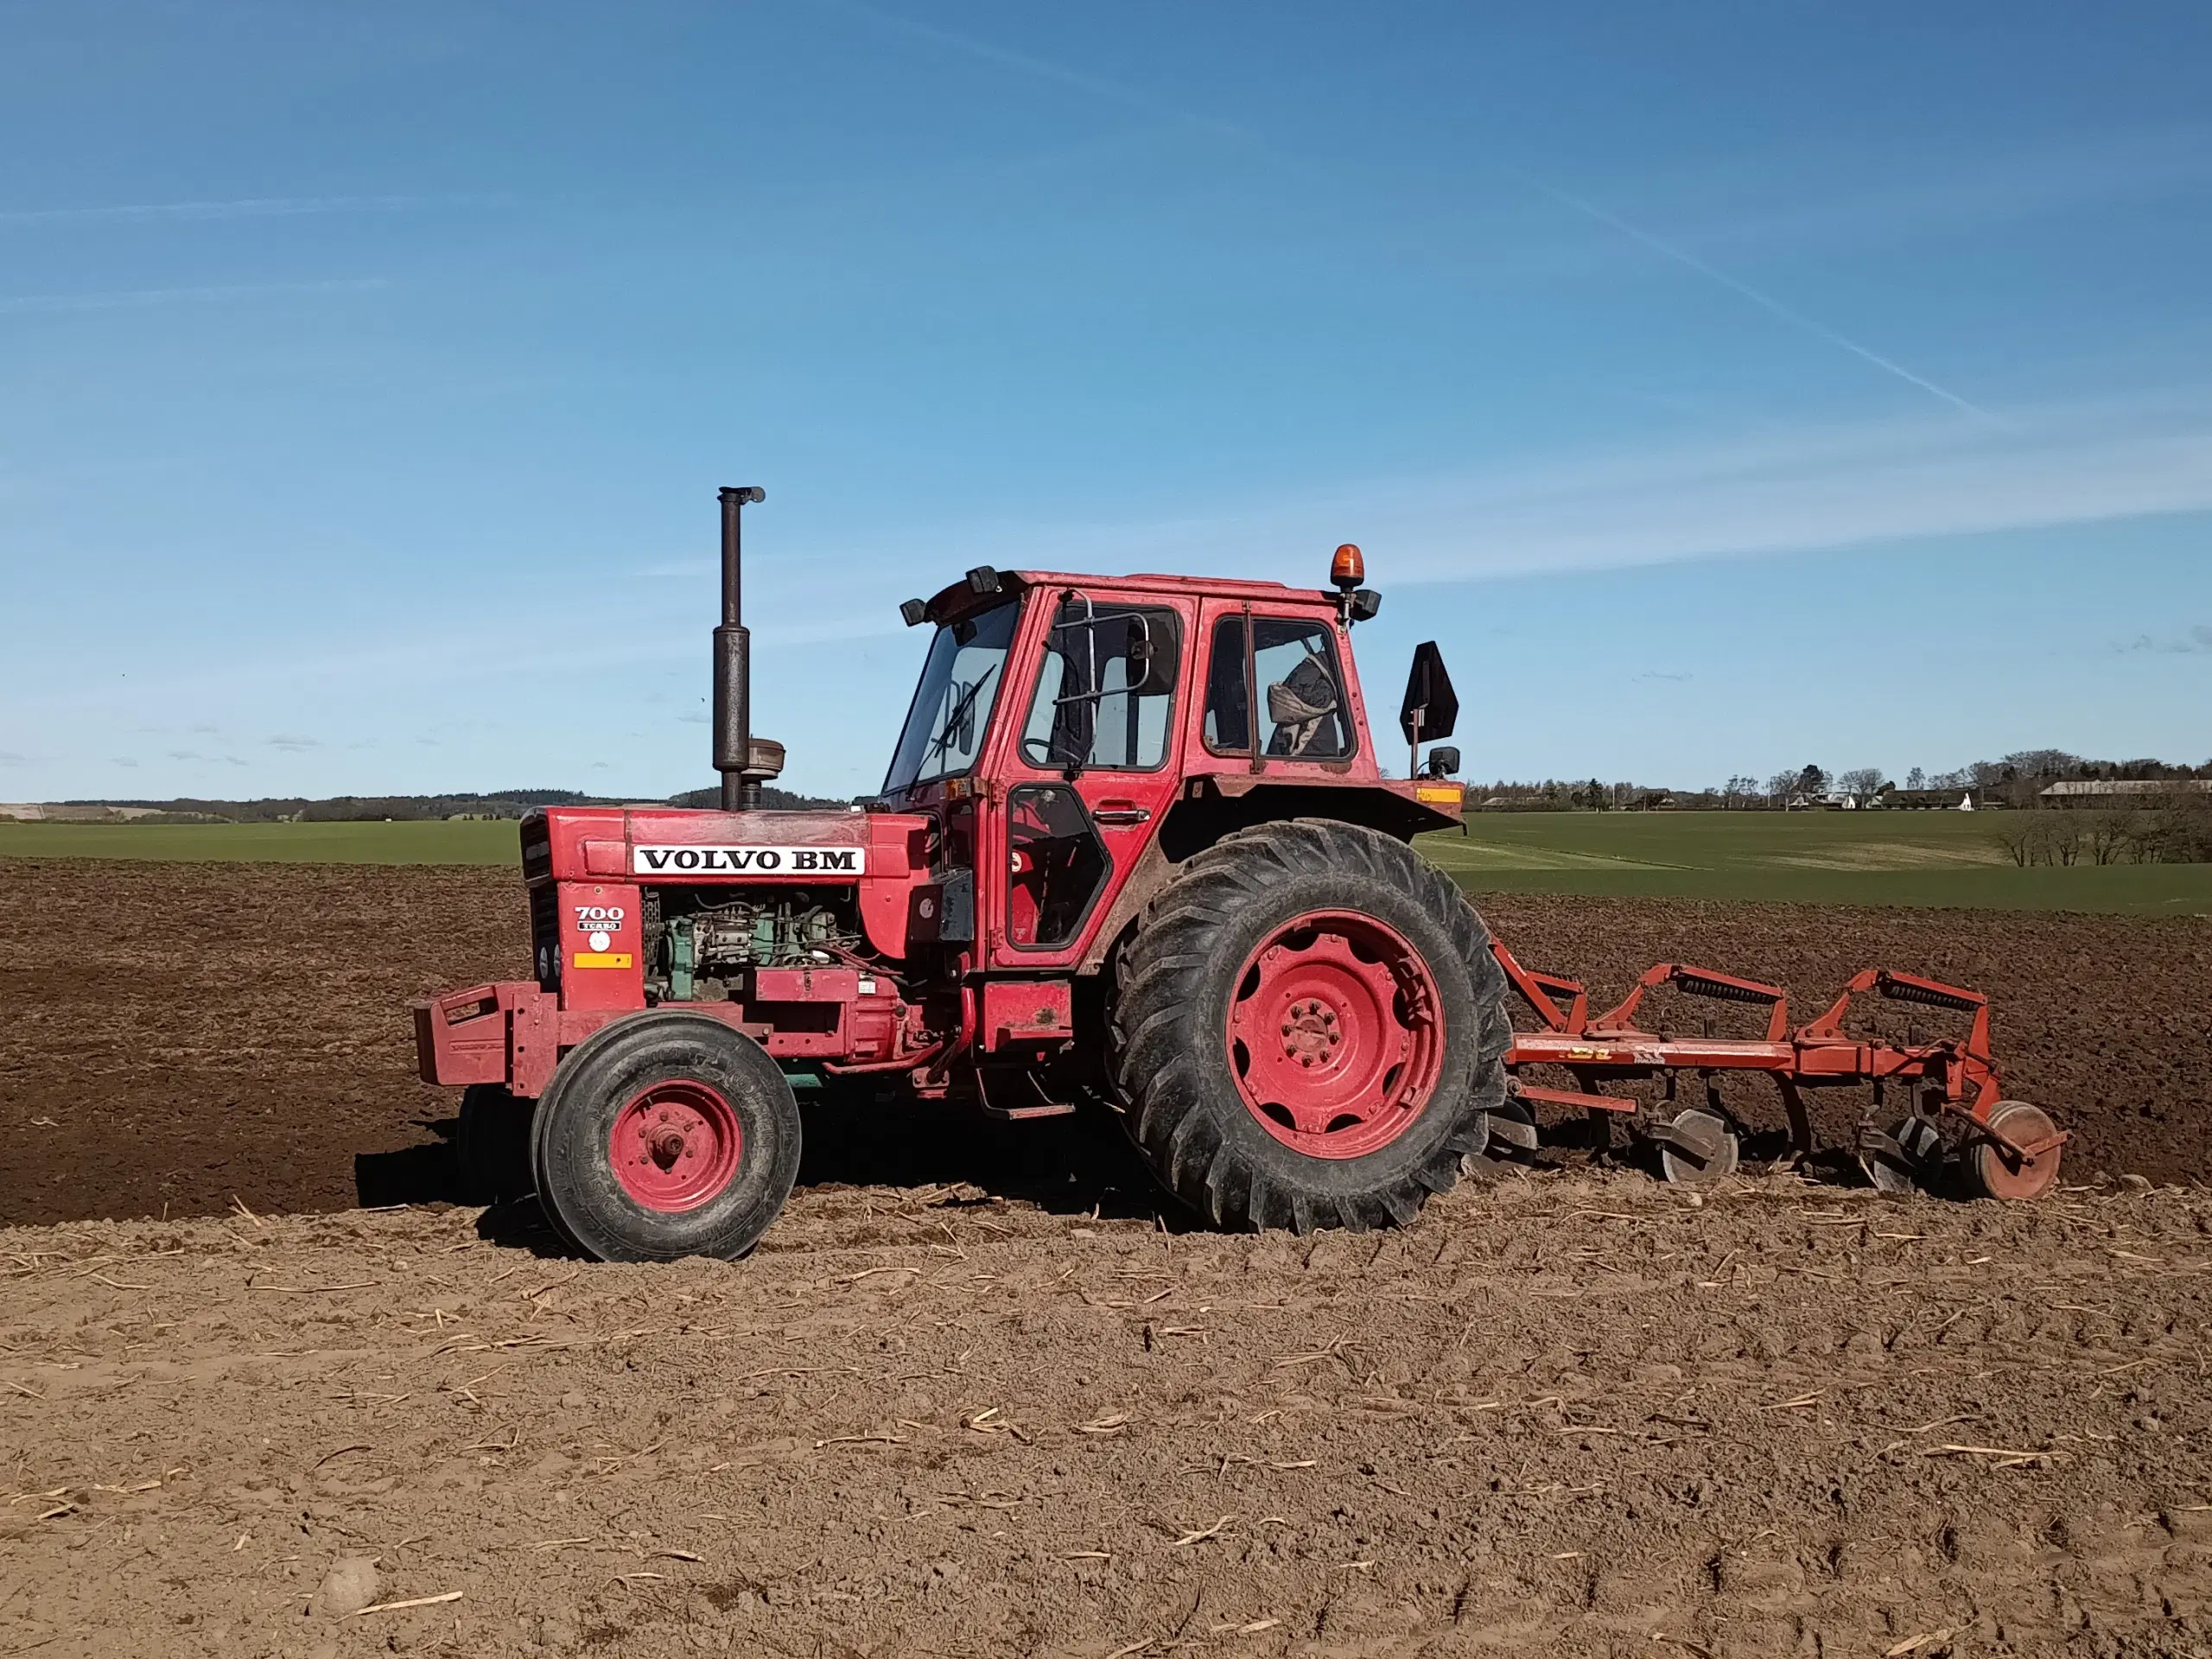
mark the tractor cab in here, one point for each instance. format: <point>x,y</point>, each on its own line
<point>1075,737</point>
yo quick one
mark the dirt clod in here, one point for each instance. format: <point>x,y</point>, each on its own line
<point>350,1585</point>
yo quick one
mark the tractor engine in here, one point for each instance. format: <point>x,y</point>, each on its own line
<point>700,941</point>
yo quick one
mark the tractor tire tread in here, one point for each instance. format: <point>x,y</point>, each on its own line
<point>1174,1112</point>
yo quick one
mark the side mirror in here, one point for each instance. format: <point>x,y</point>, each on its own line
<point>1443,762</point>
<point>1155,650</point>
<point>1431,707</point>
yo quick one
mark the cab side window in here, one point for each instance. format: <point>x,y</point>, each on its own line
<point>1293,665</point>
<point>1106,689</point>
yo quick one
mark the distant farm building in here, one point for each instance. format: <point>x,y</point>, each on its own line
<point>2107,792</point>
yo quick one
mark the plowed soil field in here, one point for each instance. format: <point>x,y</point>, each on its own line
<point>977,1394</point>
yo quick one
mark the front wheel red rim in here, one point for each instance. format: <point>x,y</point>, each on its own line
<point>676,1145</point>
<point>1336,1034</point>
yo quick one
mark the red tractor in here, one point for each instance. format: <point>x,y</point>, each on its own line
<point>1134,847</point>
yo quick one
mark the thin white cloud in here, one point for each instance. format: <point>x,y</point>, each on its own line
<point>1797,491</point>
<point>241,207</point>
<point>131,298</point>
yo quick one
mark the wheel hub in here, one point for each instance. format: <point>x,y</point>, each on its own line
<point>1312,1032</point>
<point>1333,1034</point>
<point>675,1144</point>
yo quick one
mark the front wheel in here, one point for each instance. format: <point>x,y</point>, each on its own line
<point>1309,1030</point>
<point>666,1135</point>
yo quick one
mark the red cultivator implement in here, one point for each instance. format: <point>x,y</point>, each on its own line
<point>1955,1111</point>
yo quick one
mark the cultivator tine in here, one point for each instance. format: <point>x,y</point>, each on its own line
<point>1513,1124</point>
<point>1907,1155</point>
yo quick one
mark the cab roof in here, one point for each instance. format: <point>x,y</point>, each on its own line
<point>964,597</point>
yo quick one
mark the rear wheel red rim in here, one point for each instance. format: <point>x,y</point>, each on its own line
<point>1336,1034</point>
<point>676,1145</point>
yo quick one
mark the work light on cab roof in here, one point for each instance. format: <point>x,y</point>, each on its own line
<point>1133,853</point>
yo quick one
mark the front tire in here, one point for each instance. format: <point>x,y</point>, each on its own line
<point>1309,1030</point>
<point>666,1135</point>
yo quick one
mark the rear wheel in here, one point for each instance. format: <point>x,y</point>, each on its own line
<point>666,1135</point>
<point>1309,1030</point>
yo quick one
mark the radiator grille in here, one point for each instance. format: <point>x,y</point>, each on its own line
<point>537,847</point>
<point>546,934</point>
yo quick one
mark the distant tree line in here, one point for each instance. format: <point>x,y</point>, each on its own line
<point>2014,780</point>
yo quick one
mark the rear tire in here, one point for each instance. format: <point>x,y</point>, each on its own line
<point>666,1135</point>
<point>1309,1030</point>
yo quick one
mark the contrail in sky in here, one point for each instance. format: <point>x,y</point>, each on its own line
<point>1766,303</point>
<point>1111,90</point>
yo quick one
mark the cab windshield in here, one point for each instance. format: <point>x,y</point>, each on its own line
<point>952,705</point>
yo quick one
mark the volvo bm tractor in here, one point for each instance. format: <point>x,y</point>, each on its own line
<point>1135,852</point>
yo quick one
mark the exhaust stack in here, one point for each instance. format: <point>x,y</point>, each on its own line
<point>733,745</point>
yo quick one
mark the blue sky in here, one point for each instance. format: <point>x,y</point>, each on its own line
<point>1725,386</point>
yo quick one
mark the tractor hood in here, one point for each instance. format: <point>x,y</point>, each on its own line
<point>665,843</point>
<point>883,854</point>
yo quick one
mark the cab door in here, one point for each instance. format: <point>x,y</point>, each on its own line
<point>1091,768</point>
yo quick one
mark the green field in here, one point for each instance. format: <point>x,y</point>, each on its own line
<point>1842,858</point>
<point>1875,858</point>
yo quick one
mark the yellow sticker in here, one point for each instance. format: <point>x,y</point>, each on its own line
<point>1435,792</point>
<point>601,959</point>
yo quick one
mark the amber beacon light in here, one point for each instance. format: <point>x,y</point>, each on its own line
<point>1348,569</point>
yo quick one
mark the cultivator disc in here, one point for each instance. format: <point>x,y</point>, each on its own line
<point>1697,1148</point>
<point>1907,1155</point>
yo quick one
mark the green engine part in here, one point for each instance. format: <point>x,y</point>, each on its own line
<point>681,959</point>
